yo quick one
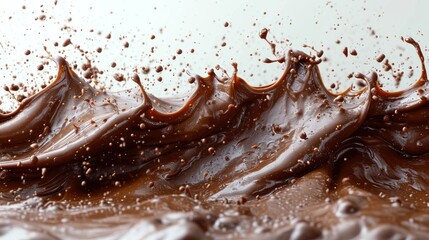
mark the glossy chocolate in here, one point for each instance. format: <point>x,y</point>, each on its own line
<point>228,160</point>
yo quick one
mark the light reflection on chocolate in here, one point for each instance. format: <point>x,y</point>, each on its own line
<point>286,160</point>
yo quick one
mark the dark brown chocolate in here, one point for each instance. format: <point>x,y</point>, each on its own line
<point>286,160</point>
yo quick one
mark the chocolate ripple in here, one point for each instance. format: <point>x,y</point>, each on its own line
<point>286,160</point>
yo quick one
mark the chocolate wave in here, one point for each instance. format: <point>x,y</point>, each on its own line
<point>342,161</point>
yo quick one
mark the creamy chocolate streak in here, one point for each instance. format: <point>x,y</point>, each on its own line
<point>287,160</point>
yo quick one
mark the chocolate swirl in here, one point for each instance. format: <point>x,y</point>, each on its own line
<point>230,155</point>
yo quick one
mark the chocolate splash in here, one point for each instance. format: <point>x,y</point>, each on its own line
<point>287,160</point>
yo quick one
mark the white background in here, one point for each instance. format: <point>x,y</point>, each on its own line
<point>200,25</point>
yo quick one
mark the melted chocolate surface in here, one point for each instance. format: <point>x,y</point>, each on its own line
<point>290,160</point>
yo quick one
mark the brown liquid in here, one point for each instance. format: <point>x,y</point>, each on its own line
<point>287,160</point>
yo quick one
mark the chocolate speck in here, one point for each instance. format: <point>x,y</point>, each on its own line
<point>159,69</point>
<point>67,42</point>
<point>263,34</point>
<point>14,87</point>
<point>211,150</point>
<point>346,52</point>
<point>191,80</point>
<point>380,58</point>
<point>118,77</point>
